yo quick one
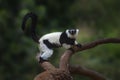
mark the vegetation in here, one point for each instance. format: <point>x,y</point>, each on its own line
<point>96,19</point>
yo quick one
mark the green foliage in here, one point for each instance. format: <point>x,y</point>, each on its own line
<point>95,18</point>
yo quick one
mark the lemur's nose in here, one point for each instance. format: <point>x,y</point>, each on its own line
<point>73,32</point>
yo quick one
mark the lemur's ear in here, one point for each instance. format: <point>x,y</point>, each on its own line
<point>77,30</point>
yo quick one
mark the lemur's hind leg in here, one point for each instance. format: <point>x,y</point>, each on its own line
<point>48,53</point>
<point>45,53</point>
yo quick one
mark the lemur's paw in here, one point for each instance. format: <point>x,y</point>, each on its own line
<point>41,60</point>
<point>79,45</point>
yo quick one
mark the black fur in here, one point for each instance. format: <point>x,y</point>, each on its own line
<point>33,25</point>
<point>65,39</point>
<point>79,45</point>
<point>50,45</point>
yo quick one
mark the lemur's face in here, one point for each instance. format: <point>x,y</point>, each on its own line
<point>72,33</point>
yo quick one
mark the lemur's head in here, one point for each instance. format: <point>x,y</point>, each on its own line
<point>72,33</point>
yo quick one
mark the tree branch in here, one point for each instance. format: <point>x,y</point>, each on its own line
<point>86,72</point>
<point>64,60</point>
<point>96,43</point>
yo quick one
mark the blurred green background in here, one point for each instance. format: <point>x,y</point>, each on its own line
<point>96,19</point>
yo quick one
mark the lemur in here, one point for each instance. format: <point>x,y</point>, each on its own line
<point>49,41</point>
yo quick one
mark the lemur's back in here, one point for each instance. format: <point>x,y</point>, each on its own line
<point>52,37</point>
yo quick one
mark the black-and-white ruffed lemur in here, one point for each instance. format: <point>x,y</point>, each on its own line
<point>49,41</point>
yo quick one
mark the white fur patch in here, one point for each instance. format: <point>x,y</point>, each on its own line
<point>52,37</point>
<point>66,46</point>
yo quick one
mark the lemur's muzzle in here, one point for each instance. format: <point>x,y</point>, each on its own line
<point>72,32</point>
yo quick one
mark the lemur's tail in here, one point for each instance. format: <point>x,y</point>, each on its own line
<point>33,25</point>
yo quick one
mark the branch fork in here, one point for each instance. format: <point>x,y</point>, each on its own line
<point>65,70</point>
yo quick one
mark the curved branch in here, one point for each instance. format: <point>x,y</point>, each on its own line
<point>64,60</point>
<point>96,43</point>
<point>86,72</point>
